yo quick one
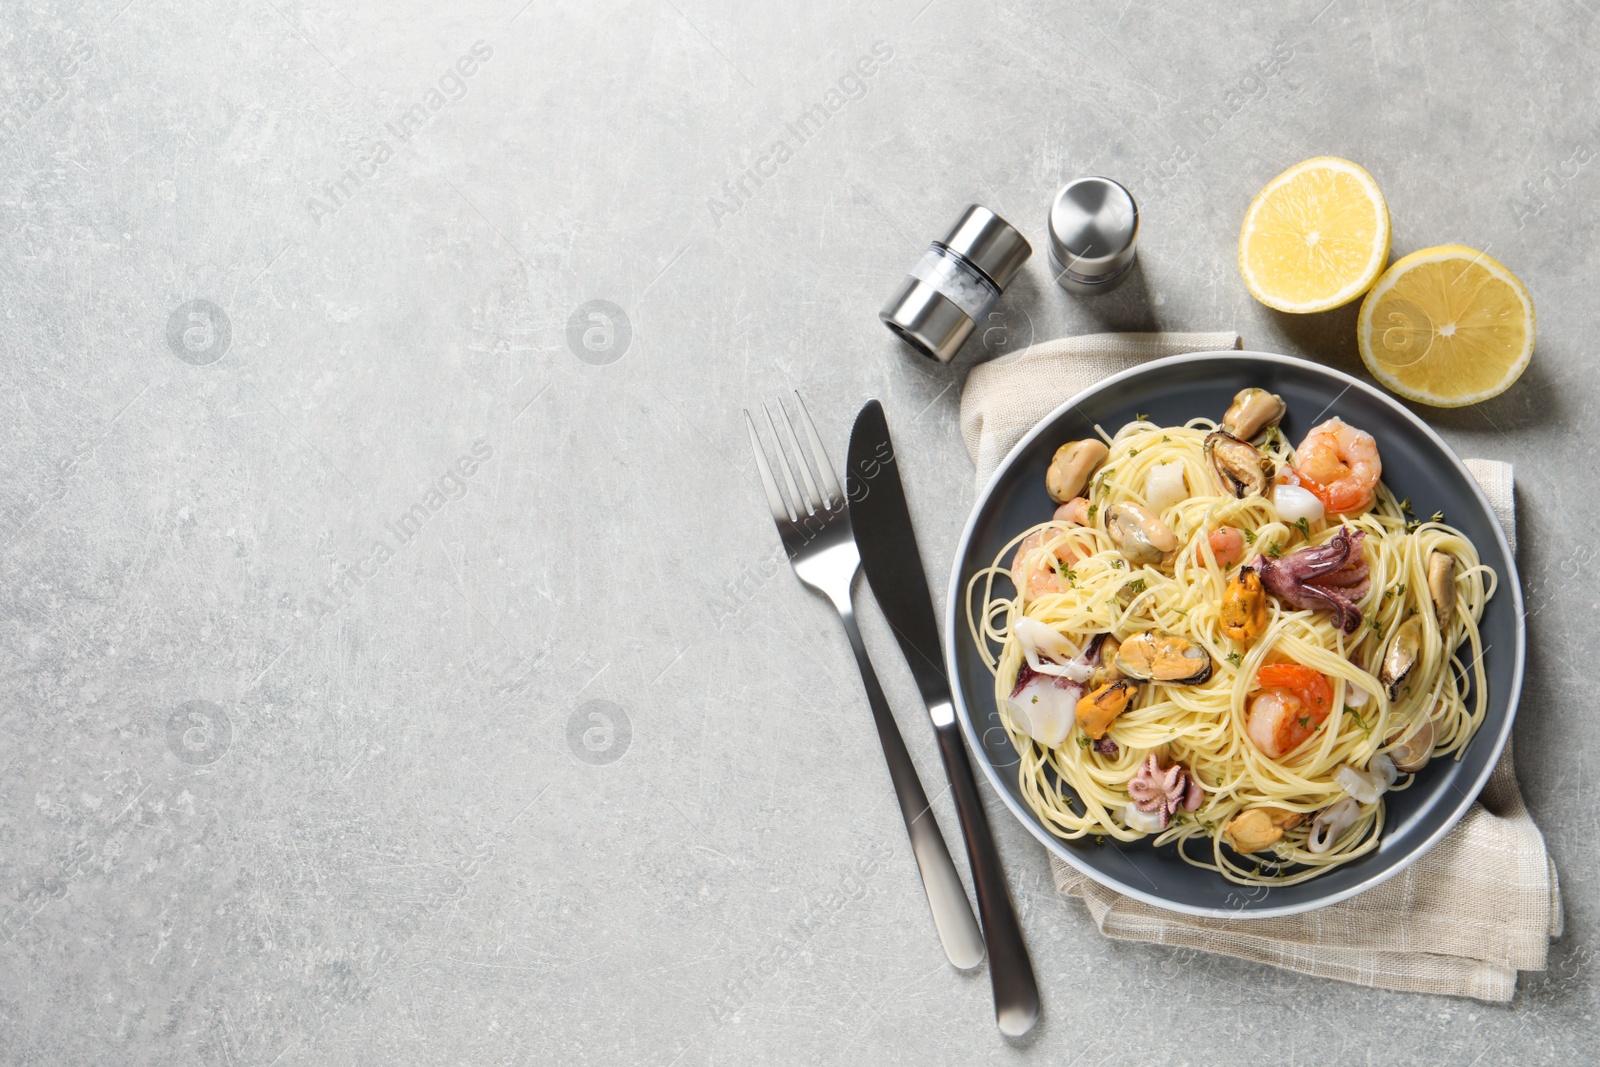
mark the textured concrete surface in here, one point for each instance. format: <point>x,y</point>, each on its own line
<point>398,667</point>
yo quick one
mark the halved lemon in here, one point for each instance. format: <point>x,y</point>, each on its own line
<point>1315,238</point>
<point>1447,326</point>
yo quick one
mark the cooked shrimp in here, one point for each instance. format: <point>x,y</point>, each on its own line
<point>1075,511</point>
<point>1293,702</point>
<point>1044,569</point>
<point>1340,465</point>
<point>1227,545</point>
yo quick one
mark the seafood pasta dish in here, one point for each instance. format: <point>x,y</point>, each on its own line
<point>1229,644</point>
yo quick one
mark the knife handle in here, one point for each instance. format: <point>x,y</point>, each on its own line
<point>947,899</point>
<point>1016,991</point>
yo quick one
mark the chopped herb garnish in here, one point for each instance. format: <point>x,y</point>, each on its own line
<point>1235,659</point>
<point>1361,723</point>
<point>1274,550</point>
<point>1093,509</point>
<point>1303,526</point>
<point>1116,564</point>
<point>1165,439</point>
<point>1133,452</point>
<point>1083,741</point>
<point>1412,525</point>
<point>1135,587</point>
<point>1066,572</point>
<point>1437,516</point>
<point>1405,505</point>
<point>1249,537</point>
<point>1372,621</point>
<point>1141,418</point>
<point>1305,721</point>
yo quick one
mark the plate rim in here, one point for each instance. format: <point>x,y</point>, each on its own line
<point>956,598</point>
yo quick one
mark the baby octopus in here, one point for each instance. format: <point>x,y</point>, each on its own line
<point>1161,791</point>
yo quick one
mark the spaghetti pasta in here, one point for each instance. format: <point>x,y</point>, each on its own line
<point>1077,580</point>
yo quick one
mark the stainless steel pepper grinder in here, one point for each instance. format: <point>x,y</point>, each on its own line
<point>1092,225</point>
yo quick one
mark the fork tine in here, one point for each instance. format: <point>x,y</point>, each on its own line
<point>805,461</point>
<point>802,505</point>
<point>780,507</point>
<point>830,480</point>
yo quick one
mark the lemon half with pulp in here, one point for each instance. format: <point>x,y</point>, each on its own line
<point>1447,326</point>
<point>1315,238</point>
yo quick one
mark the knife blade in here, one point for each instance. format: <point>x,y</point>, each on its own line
<point>893,565</point>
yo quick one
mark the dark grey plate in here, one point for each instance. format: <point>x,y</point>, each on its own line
<point>1416,463</point>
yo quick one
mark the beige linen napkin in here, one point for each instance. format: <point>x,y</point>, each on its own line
<point>1474,910</point>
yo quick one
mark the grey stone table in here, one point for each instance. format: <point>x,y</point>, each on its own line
<point>398,667</point>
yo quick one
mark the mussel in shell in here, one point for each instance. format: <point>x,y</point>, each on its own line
<point>1243,613</point>
<point>1400,659</point>
<point>1245,471</point>
<point>1141,537</point>
<point>1442,588</point>
<point>1251,412</point>
<point>1096,711</point>
<point>1168,658</point>
<point>1071,466</point>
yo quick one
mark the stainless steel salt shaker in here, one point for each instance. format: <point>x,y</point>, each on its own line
<point>1092,225</point>
<point>956,282</point>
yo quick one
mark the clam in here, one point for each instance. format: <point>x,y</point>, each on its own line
<point>1243,612</point>
<point>1257,829</point>
<point>1442,587</point>
<point>1251,412</point>
<point>1412,754</point>
<point>1157,657</point>
<point>1331,823</point>
<point>1405,648</point>
<point>1244,470</point>
<point>1071,466</point>
<point>1096,711</point>
<point>1139,535</point>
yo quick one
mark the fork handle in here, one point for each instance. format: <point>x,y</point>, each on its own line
<point>947,898</point>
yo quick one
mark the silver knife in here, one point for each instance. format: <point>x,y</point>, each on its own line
<point>893,566</point>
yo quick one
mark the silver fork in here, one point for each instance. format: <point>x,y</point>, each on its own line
<point>815,528</point>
